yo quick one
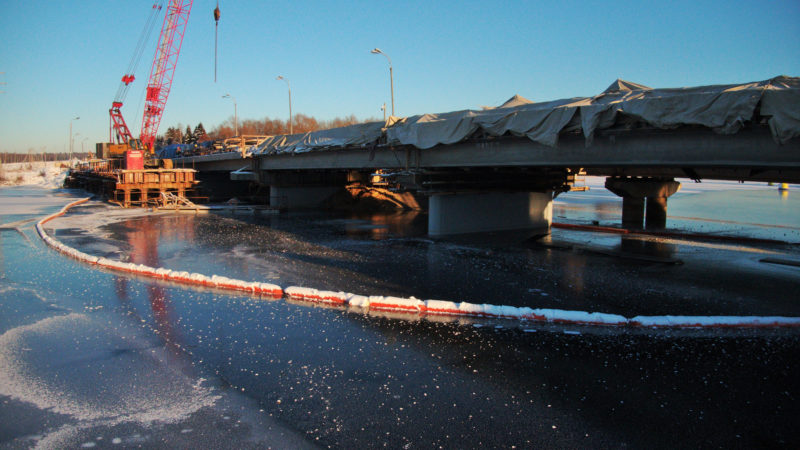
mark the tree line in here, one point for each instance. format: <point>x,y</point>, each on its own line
<point>32,157</point>
<point>262,127</point>
<point>181,134</point>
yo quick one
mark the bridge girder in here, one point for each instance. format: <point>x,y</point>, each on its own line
<point>749,155</point>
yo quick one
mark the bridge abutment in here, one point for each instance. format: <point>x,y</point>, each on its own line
<point>634,191</point>
<point>461,213</point>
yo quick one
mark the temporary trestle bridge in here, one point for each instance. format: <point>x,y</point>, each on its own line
<point>144,187</point>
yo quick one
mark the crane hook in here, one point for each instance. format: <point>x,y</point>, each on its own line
<point>216,26</point>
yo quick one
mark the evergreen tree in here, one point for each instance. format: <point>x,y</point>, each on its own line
<point>188,137</point>
<point>173,136</point>
<point>199,133</point>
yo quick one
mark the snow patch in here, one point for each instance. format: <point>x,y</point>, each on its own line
<point>50,174</point>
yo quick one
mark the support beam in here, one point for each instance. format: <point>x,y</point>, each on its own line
<point>462,213</point>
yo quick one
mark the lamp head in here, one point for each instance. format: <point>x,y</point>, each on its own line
<point>376,51</point>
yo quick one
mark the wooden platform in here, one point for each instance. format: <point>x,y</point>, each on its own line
<point>134,187</point>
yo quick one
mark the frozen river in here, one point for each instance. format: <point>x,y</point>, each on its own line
<point>94,358</point>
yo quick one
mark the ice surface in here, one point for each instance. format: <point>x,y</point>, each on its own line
<point>413,305</point>
<point>22,380</point>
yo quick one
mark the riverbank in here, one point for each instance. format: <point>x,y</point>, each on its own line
<point>49,174</point>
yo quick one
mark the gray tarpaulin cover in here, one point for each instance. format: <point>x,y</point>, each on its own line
<point>723,108</point>
<point>353,135</point>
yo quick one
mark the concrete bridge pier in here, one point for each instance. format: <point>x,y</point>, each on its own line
<point>634,191</point>
<point>302,190</point>
<point>476,212</point>
<point>299,197</point>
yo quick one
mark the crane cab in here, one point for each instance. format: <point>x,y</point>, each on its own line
<point>129,155</point>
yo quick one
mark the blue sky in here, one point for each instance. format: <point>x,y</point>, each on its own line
<point>65,59</point>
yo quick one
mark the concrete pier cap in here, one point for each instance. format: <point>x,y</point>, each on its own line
<point>301,190</point>
<point>299,197</point>
<point>634,191</point>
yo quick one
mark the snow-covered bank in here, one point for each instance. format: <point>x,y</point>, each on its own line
<point>414,306</point>
<point>49,174</point>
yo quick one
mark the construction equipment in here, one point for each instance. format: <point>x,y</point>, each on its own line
<point>127,172</point>
<point>158,86</point>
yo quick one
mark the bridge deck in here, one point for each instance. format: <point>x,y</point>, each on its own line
<point>751,154</point>
<point>747,131</point>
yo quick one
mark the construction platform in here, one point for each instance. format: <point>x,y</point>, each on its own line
<point>141,187</point>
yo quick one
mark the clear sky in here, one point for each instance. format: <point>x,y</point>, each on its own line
<point>65,59</point>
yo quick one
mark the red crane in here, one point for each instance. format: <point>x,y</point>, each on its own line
<point>161,74</point>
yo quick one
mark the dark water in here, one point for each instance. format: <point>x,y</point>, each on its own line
<point>292,374</point>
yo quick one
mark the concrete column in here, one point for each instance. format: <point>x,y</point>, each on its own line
<point>656,213</point>
<point>634,191</point>
<point>461,213</point>
<point>632,212</point>
<point>294,197</point>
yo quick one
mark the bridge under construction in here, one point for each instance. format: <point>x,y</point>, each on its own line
<point>500,168</point>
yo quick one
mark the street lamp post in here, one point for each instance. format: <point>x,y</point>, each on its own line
<point>290,101</point>
<point>70,137</point>
<point>391,77</point>
<point>235,116</point>
<point>72,147</point>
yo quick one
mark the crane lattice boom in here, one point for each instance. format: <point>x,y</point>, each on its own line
<point>118,126</point>
<point>169,47</point>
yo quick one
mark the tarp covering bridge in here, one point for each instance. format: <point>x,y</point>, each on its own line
<point>623,105</point>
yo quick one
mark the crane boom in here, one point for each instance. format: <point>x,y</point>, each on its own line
<point>118,126</point>
<point>163,69</point>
